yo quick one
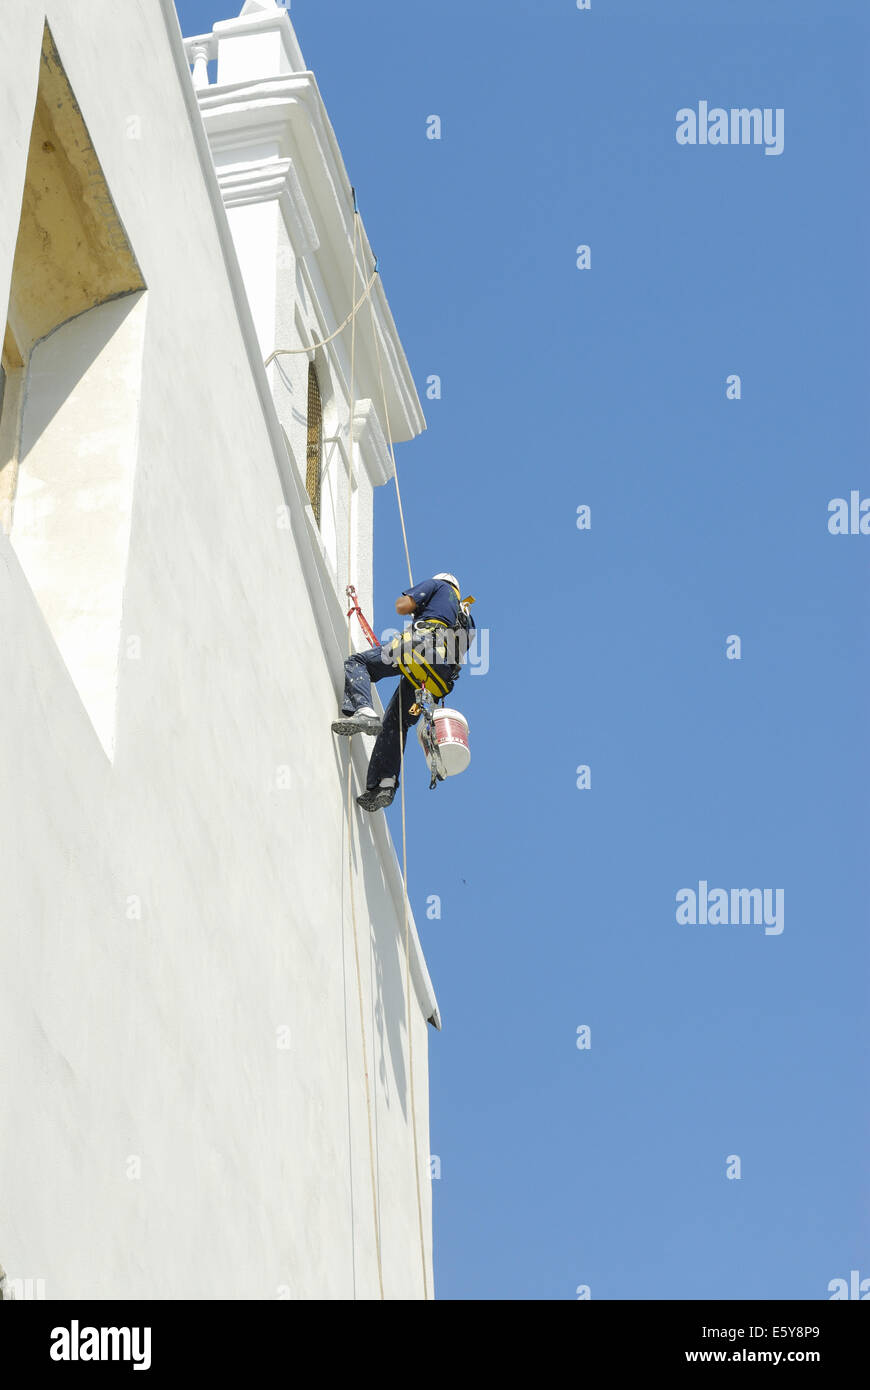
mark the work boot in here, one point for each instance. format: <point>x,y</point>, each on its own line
<point>362,721</point>
<point>377,798</point>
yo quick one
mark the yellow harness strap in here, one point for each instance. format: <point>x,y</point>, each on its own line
<point>410,662</point>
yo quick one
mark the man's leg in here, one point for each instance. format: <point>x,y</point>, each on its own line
<point>359,671</point>
<point>385,764</point>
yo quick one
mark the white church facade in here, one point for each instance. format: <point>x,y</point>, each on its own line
<point>216,1010</point>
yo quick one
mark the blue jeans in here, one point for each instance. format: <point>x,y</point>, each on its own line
<point>359,671</point>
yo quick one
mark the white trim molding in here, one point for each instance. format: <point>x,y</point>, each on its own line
<point>374,451</point>
<point>285,116</point>
<point>266,179</point>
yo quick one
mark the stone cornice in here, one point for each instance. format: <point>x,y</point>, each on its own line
<point>289,112</point>
<point>268,179</point>
<point>370,439</point>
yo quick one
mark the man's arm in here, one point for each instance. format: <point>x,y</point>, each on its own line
<point>416,597</point>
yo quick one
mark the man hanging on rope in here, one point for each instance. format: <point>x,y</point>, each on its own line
<point>428,652</point>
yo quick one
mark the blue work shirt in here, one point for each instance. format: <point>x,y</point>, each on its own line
<point>435,598</point>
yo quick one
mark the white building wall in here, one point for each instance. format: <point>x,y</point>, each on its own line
<point>73,503</point>
<point>174,914</point>
<point>255,229</point>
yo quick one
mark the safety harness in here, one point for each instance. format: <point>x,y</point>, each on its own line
<point>409,651</point>
<point>415,651</point>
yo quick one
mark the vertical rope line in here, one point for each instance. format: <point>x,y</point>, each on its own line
<point>404,834</point>
<point>362,1027</point>
<point>390,442</point>
<point>352,413</point>
<point>408,998</point>
<point>362,1024</point>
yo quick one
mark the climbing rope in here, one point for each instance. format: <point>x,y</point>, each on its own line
<point>321,342</point>
<point>410,1021</point>
<point>390,443</point>
<point>404,830</point>
<point>362,1024</point>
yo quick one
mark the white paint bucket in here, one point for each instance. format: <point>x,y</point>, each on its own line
<point>451,737</point>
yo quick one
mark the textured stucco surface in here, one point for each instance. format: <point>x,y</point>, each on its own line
<point>72,252</point>
<point>173,915</point>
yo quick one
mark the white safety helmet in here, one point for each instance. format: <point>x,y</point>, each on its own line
<point>449,579</point>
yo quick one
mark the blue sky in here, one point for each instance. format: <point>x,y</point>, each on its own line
<point>606,1167</point>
